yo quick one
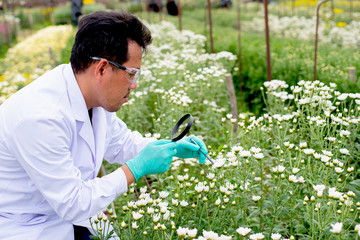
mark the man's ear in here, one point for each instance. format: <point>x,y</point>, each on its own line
<point>101,67</point>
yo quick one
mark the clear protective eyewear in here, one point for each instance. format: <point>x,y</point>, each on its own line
<point>133,73</point>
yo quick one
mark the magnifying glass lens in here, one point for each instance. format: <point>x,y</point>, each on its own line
<point>182,127</point>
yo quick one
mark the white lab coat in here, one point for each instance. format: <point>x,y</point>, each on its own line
<point>50,155</point>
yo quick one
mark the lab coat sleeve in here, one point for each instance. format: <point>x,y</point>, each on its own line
<point>124,144</point>
<point>41,145</point>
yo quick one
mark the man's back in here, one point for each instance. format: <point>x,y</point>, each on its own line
<point>23,209</point>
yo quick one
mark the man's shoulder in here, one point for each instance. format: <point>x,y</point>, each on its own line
<point>46,95</point>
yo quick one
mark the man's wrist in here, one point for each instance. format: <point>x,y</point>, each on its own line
<point>129,175</point>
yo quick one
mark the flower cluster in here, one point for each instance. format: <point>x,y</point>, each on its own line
<point>299,155</point>
<point>19,65</point>
<point>178,77</point>
<point>304,28</point>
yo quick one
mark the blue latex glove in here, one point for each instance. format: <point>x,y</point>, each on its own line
<point>186,149</point>
<point>155,158</point>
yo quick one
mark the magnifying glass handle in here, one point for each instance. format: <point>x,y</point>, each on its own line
<point>202,151</point>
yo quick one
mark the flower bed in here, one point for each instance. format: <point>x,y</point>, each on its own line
<point>30,58</point>
<point>288,174</point>
<point>304,28</point>
<point>291,173</point>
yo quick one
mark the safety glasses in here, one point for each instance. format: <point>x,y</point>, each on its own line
<point>132,73</point>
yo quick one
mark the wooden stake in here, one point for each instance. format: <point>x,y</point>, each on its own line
<point>352,74</point>
<point>239,45</point>
<point>6,25</point>
<point>268,57</point>
<point>160,10</point>
<point>210,27</point>
<point>205,25</point>
<point>316,35</point>
<point>179,15</point>
<point>233,101</point>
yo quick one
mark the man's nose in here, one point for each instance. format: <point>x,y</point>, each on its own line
<point>133,85</point>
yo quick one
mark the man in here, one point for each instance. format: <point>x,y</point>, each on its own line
<point>55,132</point>
<point>76,6</point>
<point>172,8</point>
<point>155,5</point>
<point>226,3</point>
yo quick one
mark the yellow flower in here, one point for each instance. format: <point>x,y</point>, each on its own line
<point>337,10</point>
<point>312,2</point>
<point>88,2</point>
<point>2,78</point>
<point>52,38</point>
<point>341,24</point>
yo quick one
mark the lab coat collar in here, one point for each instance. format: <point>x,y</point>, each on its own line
<point>76,97</point>
<point>79,109</point>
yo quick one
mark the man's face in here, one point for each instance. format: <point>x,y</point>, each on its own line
<point>115,89</point>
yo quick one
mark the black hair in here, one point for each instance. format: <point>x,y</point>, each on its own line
<point>106,34</point>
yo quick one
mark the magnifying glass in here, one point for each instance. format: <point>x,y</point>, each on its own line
<point>182,127</point>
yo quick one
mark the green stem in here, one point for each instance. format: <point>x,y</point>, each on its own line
<point>201,213</point>
<point>172,233</point>
<point>262,190</point>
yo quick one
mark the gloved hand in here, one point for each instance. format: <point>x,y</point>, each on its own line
<point>155,158</point>
<point>187,149</point>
